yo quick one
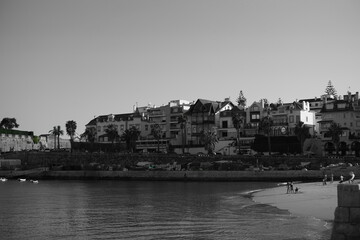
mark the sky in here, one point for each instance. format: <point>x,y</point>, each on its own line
<point>77,59</point>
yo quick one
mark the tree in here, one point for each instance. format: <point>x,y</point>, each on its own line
<point>330,89</point>
<point>210,139</point>
<point>70,129</point>
<point>182,122</point>
<point>89,134</point>
<point>265,125</point>
<point>238,121</point>
<point>301,132</point>
<point>112,133</point>
<point>130,136</point>
<point>57,132</point>
<point>157,133</point>
<point>9,123</point>
<point>335,131</point>
<point>241,100</point>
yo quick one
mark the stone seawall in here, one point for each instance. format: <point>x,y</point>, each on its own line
<point>189,175</point>
<point>347,214</point>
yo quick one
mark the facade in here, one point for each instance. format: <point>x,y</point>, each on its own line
<point>254,113</point>
<point>16,140</point>
<point>143,118</point>
<point>316,105</point>
<point>204,115</point>
<point>47,142</point>
<point>122,122</point>
<point>286,116</point>
<point>346,112</point>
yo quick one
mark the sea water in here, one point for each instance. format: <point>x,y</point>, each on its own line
<point>146,210</point>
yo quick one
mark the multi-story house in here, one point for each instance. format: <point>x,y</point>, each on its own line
<point>143,118</point>
<point>346,112</point>
<point>204,115</point>
<point>254,113</point>
<point>316,105</point>
<point>286,116</point>
<point>122,122</point>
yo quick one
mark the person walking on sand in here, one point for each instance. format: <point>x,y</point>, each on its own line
<point>287,187</point>
<point>325,179</point>
<point>341,178</point>
<point>352,176</point>
<point>331,178</point>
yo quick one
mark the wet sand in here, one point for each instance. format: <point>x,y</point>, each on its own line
<point>313,199</point>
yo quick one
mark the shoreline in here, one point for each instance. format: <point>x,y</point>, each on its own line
<point>313,199</point>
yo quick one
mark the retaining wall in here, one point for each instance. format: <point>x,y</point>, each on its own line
<point>188,175</point>
<point>347,214</point>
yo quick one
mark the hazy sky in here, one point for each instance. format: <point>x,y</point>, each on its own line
<point>76,59</point>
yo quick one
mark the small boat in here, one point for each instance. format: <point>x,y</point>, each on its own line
<point>34,181</point>
<point>22,179</point>
<point>3,179</point>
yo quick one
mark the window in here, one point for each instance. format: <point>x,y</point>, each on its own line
<point>255,116</point>
<point>224,134</point>
<point>291,119</point>
<point>224,124</point>
<point>146,127</point>
<point>99,129</point>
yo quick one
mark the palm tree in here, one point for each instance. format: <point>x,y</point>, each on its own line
<point>238,121</point>
<point>57,132</point>
<point>335,131</point>
<point>70,130</point>
<point>157,133</point>
<point>301,132</point>
<point>210,139</point>
<point>265,125</point>
<point>111,131</point>
<point>182,122</point>
<point>130,136</point>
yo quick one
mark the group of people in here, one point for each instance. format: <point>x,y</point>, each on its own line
<point>350,179</point>
<point>290,188</point>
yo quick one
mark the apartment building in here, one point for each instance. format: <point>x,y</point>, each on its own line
<point>316,105</point>
<point>286,116</point>
<point>204,115</point>
<point>346,112</point>
<point>122,122</point>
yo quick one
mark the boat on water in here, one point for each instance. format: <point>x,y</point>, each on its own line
<point>3,179</point>
<point>22,179</point>
<point>34,181</point>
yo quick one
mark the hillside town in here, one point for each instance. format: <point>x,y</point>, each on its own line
<point>322,126</point>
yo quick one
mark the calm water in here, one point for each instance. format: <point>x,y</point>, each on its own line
<point>145,210</point>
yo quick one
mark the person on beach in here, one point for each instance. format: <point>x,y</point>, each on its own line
<point>341,178</point>
<point>331,178</point>
<point>287,187</point>
<point>291,187</point>
<point>325,179</point>
<point>352,177</point>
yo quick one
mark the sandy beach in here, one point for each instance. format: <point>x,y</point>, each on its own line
<point>313,199</point>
